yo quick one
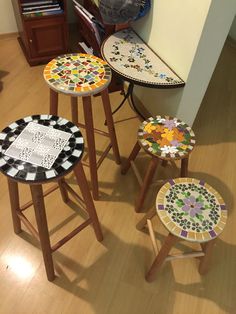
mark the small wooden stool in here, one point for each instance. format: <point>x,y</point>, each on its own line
<point>83,75</point>
<point>163,138</point>
<point>191,210</point>
<point>22,171</point>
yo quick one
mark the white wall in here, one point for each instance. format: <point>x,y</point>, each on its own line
<point>188,37</point>
<point>7,18</point>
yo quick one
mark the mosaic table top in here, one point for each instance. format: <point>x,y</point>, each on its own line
<point>191,209</point>
<point>40,148</point>
<point>166,137</point>
<point>77,74</point>
<point>128,55</point>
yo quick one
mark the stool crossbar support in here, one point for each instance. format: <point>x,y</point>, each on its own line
<point>71,235</point>
<point>47,192</point>
<point>28,225</point>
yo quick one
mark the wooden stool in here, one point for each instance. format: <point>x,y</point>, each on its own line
<point>36,145</point>
<point>191,210</point>
<point>163,138</point>
<point>83,75</point>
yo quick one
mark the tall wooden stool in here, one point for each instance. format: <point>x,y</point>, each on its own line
<point>191,210</point>
<point>41,138</point>
<point>84,75</point>
<point>163,138</point>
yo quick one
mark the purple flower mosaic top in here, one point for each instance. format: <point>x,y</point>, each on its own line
<point>191,209</point>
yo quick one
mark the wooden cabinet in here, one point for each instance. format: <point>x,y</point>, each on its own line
<point>42,37</point>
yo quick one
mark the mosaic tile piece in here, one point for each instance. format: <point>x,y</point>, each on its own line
<point>128,55</point>
<point>77,74</point>
<point>47,167</point>
<point>166,137</point>
<point>191,210</point>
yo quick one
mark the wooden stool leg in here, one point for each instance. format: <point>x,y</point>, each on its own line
<point>53,102</point>
<point>110,124</point>
<point>15,204</point>
<point>83,184</point>
<point>142,223</point>
<point>74,110</point>
<point>164,251</point>
<point>207,248</point>
<point>64,193</point>
<point>41,219</point>
<point>146,183</point>
<point>132,157</point>
<point>88,117</point>
<point>184,168</point>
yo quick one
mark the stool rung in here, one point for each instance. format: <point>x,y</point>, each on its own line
<point>100,132</point>
<point>28,225</point>
<point>71,235</point>
<point>100,160</point>
<point>47,192</point>
<point>104,154</point>
<point>152,236</point>
<point>137,173</point>
<point>73,193</point>
<point>185,255</point>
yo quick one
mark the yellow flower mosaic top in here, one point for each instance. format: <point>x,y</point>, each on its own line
<point>77,74</point>
<point>166,137</point>
<point>191,209</point>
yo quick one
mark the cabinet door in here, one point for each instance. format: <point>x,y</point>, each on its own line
<point>47,36</point>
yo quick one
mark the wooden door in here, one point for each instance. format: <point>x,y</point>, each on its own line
<point>47,36</point>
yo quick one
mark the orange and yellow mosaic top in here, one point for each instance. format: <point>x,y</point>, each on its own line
<point>166,137</point>
<point>77,74</point>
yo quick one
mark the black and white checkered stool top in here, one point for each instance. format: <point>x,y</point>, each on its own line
<point>26,172</point>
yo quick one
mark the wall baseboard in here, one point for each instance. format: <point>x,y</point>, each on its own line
<point>8,35</point>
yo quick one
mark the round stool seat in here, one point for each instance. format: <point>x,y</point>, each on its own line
<point>42,140</point>
<point>166,137</point>
<point>77,74</point>
<point>191,209</point>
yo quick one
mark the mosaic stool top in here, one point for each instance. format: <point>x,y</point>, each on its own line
<point>77,74</point>
<point>191,209</point>
<point>128,55</point>
<point>40,148</point>
<point>166,137</point>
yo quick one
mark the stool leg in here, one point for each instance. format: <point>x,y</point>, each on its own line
<point>64,193</point>
<point>110,124</point>
<point>142,223</point>
<point>207,248</point>
<point>83,184</point>
<point>53,102</point>
<point>15,204</point>
<point>132,157</point>
<point>41,219</point>
<point>164,251</point>
<point>88,117</point>
<point>184,168</point>
<point>74,110</point>
<point>146,183</point>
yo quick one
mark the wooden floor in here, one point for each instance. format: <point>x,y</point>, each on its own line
<point>108,277</point>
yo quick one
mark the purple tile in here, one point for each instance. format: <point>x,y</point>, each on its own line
<point>201,182</point>
<point>212,233</point>
<point>161,207</point>
<point>223,207</point>
<point>184,233</point>
<point>171,181</point>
